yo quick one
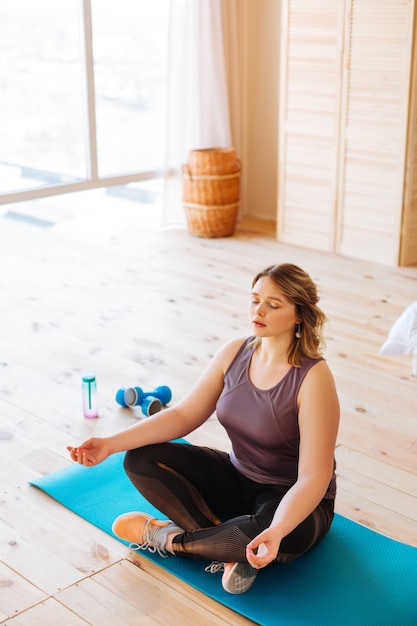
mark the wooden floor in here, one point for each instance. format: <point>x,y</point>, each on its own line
<point>97,289</point>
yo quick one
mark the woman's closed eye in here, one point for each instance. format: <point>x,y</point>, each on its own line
<point>269,304</point>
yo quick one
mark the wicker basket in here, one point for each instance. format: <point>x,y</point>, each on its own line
<point>211,192</point>
<point>213,161</point>
<point>211,221</point>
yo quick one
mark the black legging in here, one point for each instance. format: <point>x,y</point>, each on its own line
<point>220,510</point>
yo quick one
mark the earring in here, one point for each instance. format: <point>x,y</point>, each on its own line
<point>298,333</point>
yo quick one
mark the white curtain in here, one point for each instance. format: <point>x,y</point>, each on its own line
<point>202,88</point>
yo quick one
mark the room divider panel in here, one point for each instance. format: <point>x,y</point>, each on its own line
<point>347,149</point>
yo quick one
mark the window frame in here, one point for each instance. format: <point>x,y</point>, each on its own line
<point>93,180</point>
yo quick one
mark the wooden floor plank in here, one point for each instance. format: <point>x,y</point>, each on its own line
<point>119,594</point>
<point>132,581</point>
<point>17,594</point>
<point>48,613</point>
<point>375,516</point>
<point>222,614</point>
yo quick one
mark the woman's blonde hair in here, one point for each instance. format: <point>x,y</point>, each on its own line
<point>300,289</point>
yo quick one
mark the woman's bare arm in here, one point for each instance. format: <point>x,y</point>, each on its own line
<point>318,423</point>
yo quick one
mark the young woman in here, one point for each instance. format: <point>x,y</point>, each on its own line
<point>272,498</point>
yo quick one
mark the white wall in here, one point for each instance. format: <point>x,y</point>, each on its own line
<point>260,70</point>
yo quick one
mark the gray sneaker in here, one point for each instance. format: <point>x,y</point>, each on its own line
<point>239,578</point>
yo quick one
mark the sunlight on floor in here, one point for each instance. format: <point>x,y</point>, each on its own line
<point>94,216</point>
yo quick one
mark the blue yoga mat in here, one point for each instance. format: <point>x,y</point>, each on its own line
<point>355,576</point>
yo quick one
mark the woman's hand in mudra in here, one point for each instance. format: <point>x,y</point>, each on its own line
<point>263,550</point>
<point>91,452</point>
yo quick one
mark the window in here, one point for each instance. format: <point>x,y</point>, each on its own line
<point>130,80</point>
<point>83,93</point>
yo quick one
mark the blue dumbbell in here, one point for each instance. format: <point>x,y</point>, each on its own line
<point>150,401</point>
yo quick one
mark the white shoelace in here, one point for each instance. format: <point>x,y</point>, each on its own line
<point>214,567</point>
<point>151,542</point>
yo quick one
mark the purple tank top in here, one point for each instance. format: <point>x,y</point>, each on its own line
<point>263,424</point>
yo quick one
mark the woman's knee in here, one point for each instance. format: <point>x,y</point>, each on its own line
<point>136,461</point>
<point>308,534</point>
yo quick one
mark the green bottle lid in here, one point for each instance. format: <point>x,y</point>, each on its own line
<point>89,378</point>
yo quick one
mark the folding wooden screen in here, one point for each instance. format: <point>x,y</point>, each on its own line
<point>347,129</point>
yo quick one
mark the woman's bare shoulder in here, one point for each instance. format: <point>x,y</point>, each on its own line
<point>228,351</point>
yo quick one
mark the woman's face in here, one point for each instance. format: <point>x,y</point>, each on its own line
<point>270,312</point>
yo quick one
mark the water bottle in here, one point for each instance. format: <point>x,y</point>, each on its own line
<point>89,395</point>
